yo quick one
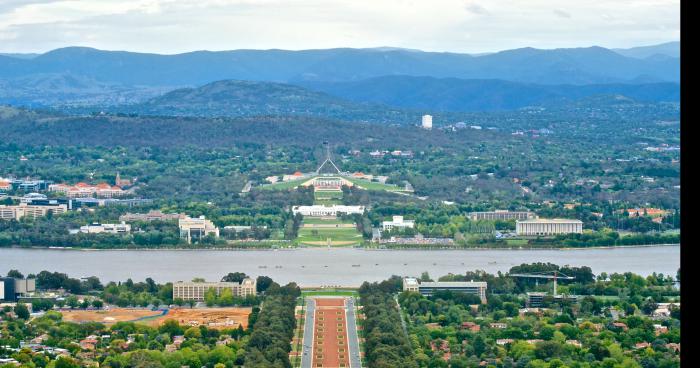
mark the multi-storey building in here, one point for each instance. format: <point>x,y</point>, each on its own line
<point>95,228</point>
<point>196,228</point>
<point>83,190</point>
<point>397,222</point>
<point>12,288</point>
<point>426,288</point>
<point>32,211</point>
<point>151,216</point>
<point>535,227</point>
<point>197,290</point>
<point>501,215</point>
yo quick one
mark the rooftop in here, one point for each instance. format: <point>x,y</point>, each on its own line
<point>541,220</point>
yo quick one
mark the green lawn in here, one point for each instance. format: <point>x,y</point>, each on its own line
<point>317,220</point>
<point>373,185</point>
<point>328,197</point>
<point>329,292</point>
<point>284,185</point>
<point>516,241</point>
<point>342,236</point>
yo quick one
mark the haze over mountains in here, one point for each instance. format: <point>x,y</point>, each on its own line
<point>76,76</point>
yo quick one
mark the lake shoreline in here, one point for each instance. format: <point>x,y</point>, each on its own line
<point>409,248</point>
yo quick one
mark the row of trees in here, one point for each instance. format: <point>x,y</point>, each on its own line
<point>386,343</point>
<point>269,344</point>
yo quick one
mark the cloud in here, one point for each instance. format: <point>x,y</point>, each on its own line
<point>475,8</point>
<point>172,26</point>
<point>561,13</point>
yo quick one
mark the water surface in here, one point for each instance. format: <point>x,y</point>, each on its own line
<point>316,267</point>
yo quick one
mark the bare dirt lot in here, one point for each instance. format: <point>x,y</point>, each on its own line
<point>108,316</point>
<point>218,318</point>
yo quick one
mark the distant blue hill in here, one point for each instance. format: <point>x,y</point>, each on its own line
<point>578,66</point>
<point>452,94</point>
<point>668,49</point>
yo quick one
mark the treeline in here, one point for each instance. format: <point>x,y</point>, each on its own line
<point>386,343</point>
<point>609,239</point>
<point>269,344</point>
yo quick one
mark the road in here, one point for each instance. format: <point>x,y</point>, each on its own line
<point>307,341</point>
<point>353,338</point>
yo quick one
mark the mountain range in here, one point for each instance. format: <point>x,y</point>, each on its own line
<point>79,76</point>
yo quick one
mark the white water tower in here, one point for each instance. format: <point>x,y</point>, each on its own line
<point>427,122</point>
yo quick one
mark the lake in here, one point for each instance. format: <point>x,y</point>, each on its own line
<point>321,266</point>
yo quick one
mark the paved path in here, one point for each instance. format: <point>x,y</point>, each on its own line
<point>353,338</point>
<point>307,341</point>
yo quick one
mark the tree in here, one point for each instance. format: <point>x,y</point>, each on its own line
<point>226,297</point>
<point>15,274</point>
<point>236,277</point>
<point>262,283</point>
<point>72,301</point>
<point>65,362</point>
<point>97,303</point>
<point>22,311</point>
<point>210,297</point>
<point>193,333</point>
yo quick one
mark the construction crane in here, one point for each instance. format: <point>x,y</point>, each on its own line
<point>549,275</point>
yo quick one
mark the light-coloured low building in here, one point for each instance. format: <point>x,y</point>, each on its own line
<point>503,215</point>
<point>155,215</point>
<point>534,227</point>
<point>96,228</point>
<point>197,290</point>
<point>83,190</point>
<point>323,211</point>
<point>196,228</point>
<point>397,222</point>
<point>31,211</point>
<point>426,288</point>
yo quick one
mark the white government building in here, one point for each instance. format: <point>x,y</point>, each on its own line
<point>397,222</point>
<point>96,228</point>
<point>318,210</point>
<point>548,227</point>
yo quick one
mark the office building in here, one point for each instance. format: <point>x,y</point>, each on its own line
<point>32,211</point>
<point>196,228</point>
<point>534,227</point>
<point>96,228</point>
<point>477,288</point>
<point>11,288</point>
<point>427,122</point>
<point>197,290</point>
<point>154,215</point>
<point>503,215</point>
<point>83,190</point>
<point>397,222</point>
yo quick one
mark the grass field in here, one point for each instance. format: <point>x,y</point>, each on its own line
<point>284,185</point>
<point>516,241</point>
<point>328,197</point>
<point>372,185</point>
<point>330,292</point>
<point>340,236</point>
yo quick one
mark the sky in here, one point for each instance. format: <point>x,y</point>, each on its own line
<point>467,26</point>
